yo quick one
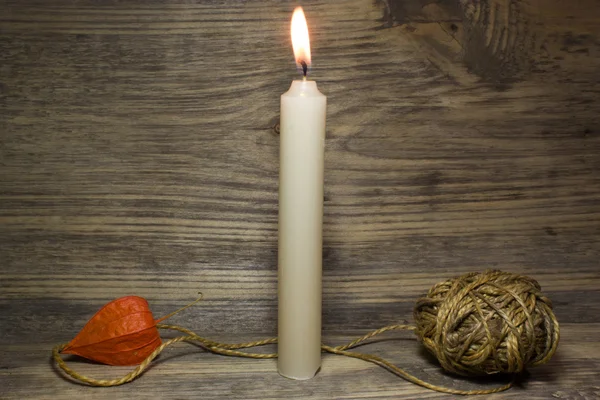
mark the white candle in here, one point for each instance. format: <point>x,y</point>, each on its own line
<point>302,132</point>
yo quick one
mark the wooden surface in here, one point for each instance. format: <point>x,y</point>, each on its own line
<point>139,156</point>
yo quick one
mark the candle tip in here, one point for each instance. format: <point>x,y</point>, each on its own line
<point>304,67</point>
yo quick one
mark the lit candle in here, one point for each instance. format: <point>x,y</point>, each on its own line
<point>302,133</point>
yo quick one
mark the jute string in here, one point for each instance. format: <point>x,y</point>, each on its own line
<point>476,324</point>
<point>228,349</point>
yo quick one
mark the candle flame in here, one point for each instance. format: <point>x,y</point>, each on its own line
<point>300,40</point>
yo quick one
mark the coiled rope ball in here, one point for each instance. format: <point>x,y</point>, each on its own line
<point>487,323</point>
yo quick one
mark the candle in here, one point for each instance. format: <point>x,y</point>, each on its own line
<point>302,140</point>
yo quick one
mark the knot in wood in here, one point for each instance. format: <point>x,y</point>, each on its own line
<point>487,323</point>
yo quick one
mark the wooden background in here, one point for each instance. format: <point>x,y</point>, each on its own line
<point>139,156</point>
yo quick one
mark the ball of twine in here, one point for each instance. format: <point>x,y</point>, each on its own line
<point>487,323</point>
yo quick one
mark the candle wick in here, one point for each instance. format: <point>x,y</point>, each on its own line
<point>304,68</point>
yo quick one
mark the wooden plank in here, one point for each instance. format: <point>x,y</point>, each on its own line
<point>351,303</point>
<point>188,372</point>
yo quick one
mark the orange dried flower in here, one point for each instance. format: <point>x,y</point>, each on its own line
<point>123,332</point>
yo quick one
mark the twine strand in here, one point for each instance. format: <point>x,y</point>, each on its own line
<point>200,297</point>
<point>411,378</point>
<point>231,349</point>
<point>376,332</point>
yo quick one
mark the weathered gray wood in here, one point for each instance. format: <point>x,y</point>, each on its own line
<point>186,372</point>
<point>139,156</point>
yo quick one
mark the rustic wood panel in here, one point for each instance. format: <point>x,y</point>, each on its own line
<point>186,372</point>
<point>139,156</point>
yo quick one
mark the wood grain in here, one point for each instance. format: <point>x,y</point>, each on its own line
<point>139,156</point>
<point>186,372</point>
